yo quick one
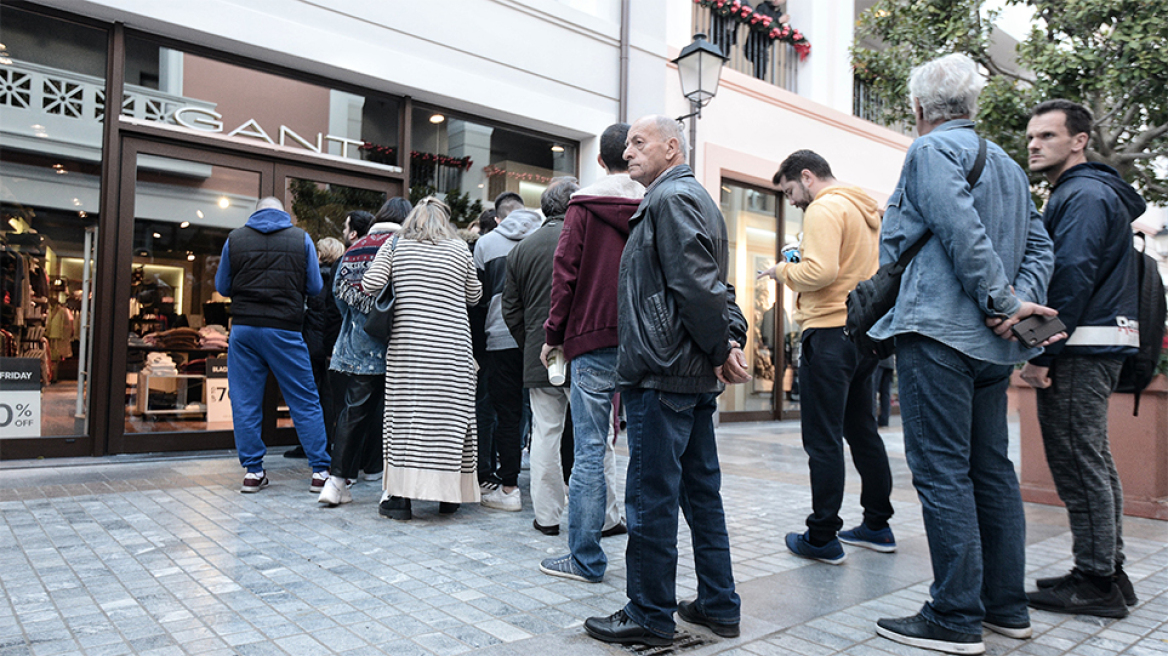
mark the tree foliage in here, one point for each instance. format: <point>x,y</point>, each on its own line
<point>1110,55</point>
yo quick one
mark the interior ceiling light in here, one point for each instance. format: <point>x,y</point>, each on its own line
<point>198,213</point>
<point>557,148</point>
<point>185,224</point>
<point>437,118</point>
<point>157,236</point>
<point>224,202</point>
<point>190,257</point>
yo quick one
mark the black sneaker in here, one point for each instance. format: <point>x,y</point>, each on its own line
<point>1076,595</point>
<point>1120,577</point>
<point>687,611</point>
<point>916,631</point>
<point>554,529</point>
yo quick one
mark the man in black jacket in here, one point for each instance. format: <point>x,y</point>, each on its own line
<point>526,299</point>
<point>268,267</point>
<point>679,330</point>
<point>1094,289</point>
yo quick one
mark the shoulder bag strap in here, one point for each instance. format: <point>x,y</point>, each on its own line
<point>972,178</point>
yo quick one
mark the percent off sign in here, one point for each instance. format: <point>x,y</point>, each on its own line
<point>20,397</point>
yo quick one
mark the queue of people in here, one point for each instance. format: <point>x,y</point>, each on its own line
<point>626,281</point>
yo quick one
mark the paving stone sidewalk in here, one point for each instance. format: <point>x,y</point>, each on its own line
<point>160,556</point>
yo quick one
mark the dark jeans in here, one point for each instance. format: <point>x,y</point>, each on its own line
<point>673,461</point>
<point>953,408</point>
<point>505,383</point>
<point>836,405</point>
<point>359,425</point>
<point>486,422</point>
<point>1073,416</point>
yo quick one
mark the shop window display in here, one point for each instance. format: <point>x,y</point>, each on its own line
<point>178,322</point>
<point>752,224</point>
<point>471,162</point>
<point>51,113</point>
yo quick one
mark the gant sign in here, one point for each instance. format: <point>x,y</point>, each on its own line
<point>209,120</point>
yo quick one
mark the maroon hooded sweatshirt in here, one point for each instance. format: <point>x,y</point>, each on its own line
<point>582,317</point>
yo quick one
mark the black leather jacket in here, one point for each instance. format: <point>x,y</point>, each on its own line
<point>676,313</point>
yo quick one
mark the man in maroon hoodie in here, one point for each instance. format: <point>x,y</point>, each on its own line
<point>582,322</point>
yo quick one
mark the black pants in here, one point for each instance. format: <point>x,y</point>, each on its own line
<point>505,383</point>
<point>835,384</point>
<point>485,420</point>
<point>882,387</point>
<point>359,426</point>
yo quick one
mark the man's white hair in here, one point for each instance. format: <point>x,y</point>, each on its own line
<point>670,128</point>
<point>269,203</point>
<point>946,87</point>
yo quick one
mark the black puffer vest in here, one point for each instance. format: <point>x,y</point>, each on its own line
<point>269,275</point>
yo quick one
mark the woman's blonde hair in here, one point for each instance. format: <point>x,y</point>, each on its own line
<point>429,221</point>
<point>329,250</point>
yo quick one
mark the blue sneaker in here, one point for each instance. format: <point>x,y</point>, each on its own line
<point>564,567</point>
<point>831,553</point>
<point>862,536</point>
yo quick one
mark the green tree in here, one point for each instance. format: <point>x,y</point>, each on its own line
<point>1110,55</point>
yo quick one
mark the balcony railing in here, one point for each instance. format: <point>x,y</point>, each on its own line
<point>751,53</point>
<point>868,107</point>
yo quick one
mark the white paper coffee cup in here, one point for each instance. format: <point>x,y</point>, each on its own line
<point>557,367</point>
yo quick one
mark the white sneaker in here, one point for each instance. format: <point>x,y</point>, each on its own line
<point>373,476</point>
<point>335,492</point>
<point>500,500</point>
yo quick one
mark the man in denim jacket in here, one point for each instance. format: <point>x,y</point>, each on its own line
<point>989,258</point>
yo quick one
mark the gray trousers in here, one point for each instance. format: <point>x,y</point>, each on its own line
<point>1073,416</point>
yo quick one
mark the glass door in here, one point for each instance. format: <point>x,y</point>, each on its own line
<point>170,324</point>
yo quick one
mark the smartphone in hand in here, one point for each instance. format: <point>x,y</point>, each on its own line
<point>1036,329</point>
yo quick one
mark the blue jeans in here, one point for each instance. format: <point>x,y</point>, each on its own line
<point>955,439</point>
<point>673,461</point>
<point>593,386</point>
<point>252,354</point>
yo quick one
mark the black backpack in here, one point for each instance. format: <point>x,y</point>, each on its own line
<point>1139,369</point>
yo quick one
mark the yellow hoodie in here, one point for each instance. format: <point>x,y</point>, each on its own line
<point>841,240</point>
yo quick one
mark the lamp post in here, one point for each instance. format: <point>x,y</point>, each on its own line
<point>700,67</point>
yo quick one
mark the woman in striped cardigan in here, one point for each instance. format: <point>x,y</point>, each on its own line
<point>429,429</point>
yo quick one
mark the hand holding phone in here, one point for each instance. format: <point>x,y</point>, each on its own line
<point>1036,329</point>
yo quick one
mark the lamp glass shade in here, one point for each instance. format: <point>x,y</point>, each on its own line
<point>700,67</point>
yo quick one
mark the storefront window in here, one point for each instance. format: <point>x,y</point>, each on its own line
<point>52,104</point>
<point>183,212</point>
<point>791,333</point>
<point>751,223</point>
<point>475,162</point>
<point>200,93</point>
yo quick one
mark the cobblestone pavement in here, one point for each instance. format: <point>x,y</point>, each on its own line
<point>159,556</point>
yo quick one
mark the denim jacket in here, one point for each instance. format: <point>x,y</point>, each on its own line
<point>985,240</point>
<point>355,351</point>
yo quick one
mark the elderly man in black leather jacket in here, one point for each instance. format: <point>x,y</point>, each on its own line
<point>679,331</point>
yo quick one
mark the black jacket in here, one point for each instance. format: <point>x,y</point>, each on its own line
<point>322,319</point>
<point>676,314</point>
<point>1094,284</point>
<point>527,295</point>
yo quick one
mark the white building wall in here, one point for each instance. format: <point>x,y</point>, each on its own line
<point>751,126</point>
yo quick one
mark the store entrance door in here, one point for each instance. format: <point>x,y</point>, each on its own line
<point>170,327</point>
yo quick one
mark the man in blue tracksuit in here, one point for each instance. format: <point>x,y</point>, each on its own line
<point>1094,289</point>
<point>268,268</point>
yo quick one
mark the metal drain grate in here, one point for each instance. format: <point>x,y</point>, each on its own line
<point>682,642</point>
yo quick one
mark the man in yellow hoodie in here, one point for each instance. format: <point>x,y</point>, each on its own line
<point>841,236</point>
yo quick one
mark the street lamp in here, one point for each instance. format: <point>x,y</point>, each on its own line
<point>700,67</point>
